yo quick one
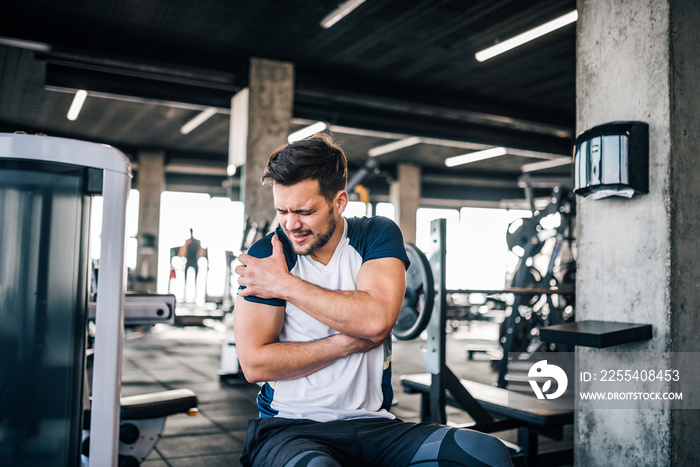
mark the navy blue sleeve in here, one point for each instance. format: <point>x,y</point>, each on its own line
<point>262,249</point>
<point>380,237</point>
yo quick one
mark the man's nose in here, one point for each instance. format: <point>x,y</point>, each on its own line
<point>293,222</point>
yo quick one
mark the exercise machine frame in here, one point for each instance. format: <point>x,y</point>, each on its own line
<point>93,169</point>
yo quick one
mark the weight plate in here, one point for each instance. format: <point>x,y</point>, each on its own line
<point>419,297</point>
<point>521,236</point>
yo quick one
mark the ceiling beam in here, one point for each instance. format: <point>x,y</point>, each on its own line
<point>150,86</point>
<point>402,122</point>
<point>366,93</point>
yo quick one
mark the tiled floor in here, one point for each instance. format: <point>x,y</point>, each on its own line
<point>169,357</point>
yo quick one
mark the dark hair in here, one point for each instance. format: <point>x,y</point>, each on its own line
<point>314,158</point>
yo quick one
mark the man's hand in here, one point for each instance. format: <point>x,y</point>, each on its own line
<point>264,277</point>
<point>355,344</point>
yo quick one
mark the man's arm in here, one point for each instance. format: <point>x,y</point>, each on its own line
<point>262,358</point>
<point>369,312</point>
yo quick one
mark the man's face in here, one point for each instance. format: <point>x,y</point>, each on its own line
<point>306,216</point>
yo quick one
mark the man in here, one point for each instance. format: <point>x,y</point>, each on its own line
<point>192,254</point>
<point>313,320</point>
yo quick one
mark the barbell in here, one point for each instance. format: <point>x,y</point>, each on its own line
<point>419,298</point>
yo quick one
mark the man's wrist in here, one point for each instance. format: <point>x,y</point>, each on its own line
<point>288,286</point>
<point>341,344</point>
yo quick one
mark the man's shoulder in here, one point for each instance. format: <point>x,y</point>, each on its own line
<point>376,237</point>
<point>359,226</point>
<point>263,247</point>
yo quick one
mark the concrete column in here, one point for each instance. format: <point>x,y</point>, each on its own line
<point>685,214</point>
<point>150,183</point>
<point>638,258</point>
<point>404,194</point>
<point>271,94</point>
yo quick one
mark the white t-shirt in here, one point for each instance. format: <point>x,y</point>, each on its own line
<point>352,387</point>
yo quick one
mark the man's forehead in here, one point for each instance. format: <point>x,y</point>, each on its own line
<point>305,192</point>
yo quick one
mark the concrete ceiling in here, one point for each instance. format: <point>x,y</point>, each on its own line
<point>390,70</point>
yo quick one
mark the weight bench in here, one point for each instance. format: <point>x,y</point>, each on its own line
<point>507,414</point>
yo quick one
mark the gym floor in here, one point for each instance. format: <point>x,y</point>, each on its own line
<point>168,357</point>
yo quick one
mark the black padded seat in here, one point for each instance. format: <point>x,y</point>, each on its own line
<point>158,404</point>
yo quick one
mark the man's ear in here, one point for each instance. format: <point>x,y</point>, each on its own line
<point>340,202</point>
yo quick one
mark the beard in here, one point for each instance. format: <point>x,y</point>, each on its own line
<point>319,240</point>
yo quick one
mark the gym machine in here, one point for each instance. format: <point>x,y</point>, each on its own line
<point>143,309</point>
<point>143,416</point>
<point>47,403</point>
<point>493,409</point>
<point>538,300</point>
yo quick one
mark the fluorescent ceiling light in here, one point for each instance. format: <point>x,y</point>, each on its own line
<point>475,156</point>
<point>23,44</point>
<point>527,36</point>
<point>77,105</point>
<point>534,166</point>
<point>394,146</point>
<point>198,120</point>
<point>339,13</point>
<point>307,131</point>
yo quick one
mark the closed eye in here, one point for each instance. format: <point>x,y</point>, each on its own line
<point>301,212</point>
